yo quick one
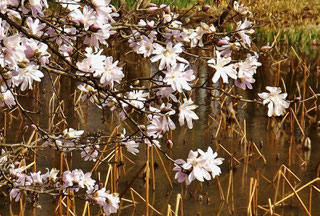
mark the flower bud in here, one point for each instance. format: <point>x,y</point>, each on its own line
<point>265,48</point>
<point>205,8</point>
<point>169,144</point>
<point>151,9</point>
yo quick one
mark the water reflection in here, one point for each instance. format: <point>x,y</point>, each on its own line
<point>276,145</point>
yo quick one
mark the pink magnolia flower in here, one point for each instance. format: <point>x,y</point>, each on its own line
<point>4,27</point>
<point>90,154</point>
<point>13,50</point>
<point>37,7</point>
<point>225,46</point>
<point>223,68</point>
<point>186,113</point>
<point>246,70</point>
<point>181,174</point>
<point>211,161</point>
<point>196,165</point>
<point>34,27</point>
<point>136,98</point>
<point>241,9</point>
<point>93,63</point>
<point>109,202</point>
<point>105,10</point>
<point>36,49</point>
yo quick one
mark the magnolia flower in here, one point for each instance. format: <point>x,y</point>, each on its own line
<point>178,77</point>
<point>145,46</point>
<point>51,176</point>
<point>70,4</point>
<point>195,36</point>
<point>212,162</point>
<point>34,26</point>
<point>4,27</point>
<point>109,202</point>
<point>93,63</point>
<point>90,154</point>
<point>34,179</point>
<point>112,73</point>
<point>225,46</point>
<point>13,50</point>
<point>131,145</point>
<point>37,7</point>
<point>275,100</point>
<point>246,70</point>
<point>223,68</point>
<point>168,56</point>
<point>243,29</point>
<point>26,75</point>
<point>197,166</point>
<point>77,179</point>
<point>181,174</point>
<point>36,49</point>
<point>71,133</point>
<point>187,113</point>
<point>200,165</point>
<point>240,8</point>
<point>85,18</point>
<point>6,98</point>
<point>3,157</point>
<point>103,33</point>
<point>136,98</point>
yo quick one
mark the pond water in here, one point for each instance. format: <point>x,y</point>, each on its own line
<point>277,144</point>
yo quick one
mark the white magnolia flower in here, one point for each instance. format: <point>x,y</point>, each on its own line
<point>111,74</point>
<point>200,165</point>
<point>136,98</point>
<point>168,56</point>
<point>277,104</point>
<point>178,77</point>
<point>211,161</point>
<point>241,9</point>
<point>70,4</point>
<point>6,98</point>
<point>243,29</point>
<point>93,63</point>
<point>71,133</point>
<point>26,75</point>
<point>223,68</point>
<point>196,165</point>
<point>187,113</point>
<point>145,46</point>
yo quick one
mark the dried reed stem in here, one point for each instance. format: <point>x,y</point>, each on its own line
<point>155,210</point>
<point>296,193</point>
